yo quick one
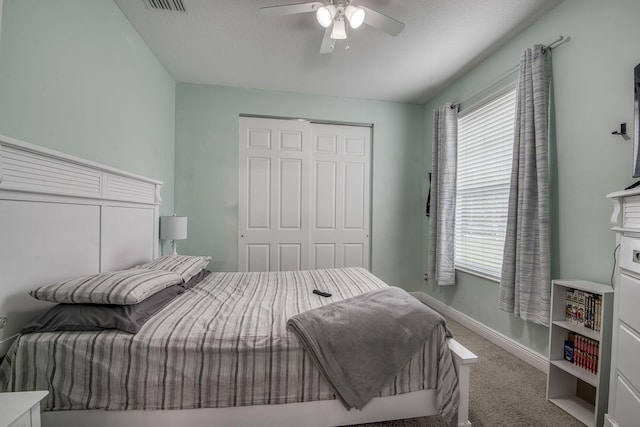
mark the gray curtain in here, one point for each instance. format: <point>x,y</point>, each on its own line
<point>440,255</point>
<point>526,272</point>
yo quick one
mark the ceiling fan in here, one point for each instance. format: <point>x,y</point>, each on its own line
<point>334,15</point>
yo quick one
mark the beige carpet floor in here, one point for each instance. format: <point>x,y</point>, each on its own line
<point>505,391</point>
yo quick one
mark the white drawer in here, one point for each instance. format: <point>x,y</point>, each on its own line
<point>627,410</point>
<point>627,354</point>
<point>630,254</point>
<point>629,301</point>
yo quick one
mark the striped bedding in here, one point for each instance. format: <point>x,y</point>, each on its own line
<point>222,343</point>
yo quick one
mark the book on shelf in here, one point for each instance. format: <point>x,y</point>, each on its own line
<point>582,352</point>
<point>568,351</point>
<point>583,308</point>
<point>588,311</point>
<point>571,308</point>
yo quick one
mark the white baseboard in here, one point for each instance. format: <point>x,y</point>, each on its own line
<point>533,358</point>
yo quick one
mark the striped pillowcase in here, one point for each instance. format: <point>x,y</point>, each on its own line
<point>185,265</point>
<point>117,288</point>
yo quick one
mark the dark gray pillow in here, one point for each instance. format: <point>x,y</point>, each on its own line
<point>96,317</point>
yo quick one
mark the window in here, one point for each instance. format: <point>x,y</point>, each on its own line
<point>485,144</point>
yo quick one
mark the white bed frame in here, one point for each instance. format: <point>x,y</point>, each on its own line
<point>62,216</point>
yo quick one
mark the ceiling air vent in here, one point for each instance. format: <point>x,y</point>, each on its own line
<point>166,5</point>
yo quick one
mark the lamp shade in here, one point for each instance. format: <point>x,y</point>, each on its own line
<point>173,227</point>
<point>355,15</point>
<point>325,15</point>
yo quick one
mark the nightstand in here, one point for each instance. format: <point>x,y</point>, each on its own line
<point>21,409</point>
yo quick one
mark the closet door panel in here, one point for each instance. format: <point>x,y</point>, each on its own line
<point>290,192</point>
<point>324,255</point>
<point>354,196</point>
<point>259,192</point>
<point>325,195</point>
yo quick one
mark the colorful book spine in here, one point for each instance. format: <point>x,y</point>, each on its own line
<point>580,297</point>
<point>588,311</point>
<point>568,313</point>
<point>568,351</point>
<point>598,313</point>
<point>585,353</point>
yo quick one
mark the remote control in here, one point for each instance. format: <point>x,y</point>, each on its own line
<point>321,293</point>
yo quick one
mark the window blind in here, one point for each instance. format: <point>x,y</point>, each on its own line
<point>485,143</point>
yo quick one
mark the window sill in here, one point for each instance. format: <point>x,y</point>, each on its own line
<point>479,274</point>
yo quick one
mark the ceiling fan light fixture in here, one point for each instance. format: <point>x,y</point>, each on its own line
<point>339,31</point>
<point>355,15</point>
<point>325,15</point>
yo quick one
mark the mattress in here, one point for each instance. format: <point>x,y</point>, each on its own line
<point>222,343</point>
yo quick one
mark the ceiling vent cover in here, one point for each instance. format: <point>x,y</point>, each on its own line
<point>166,5</point>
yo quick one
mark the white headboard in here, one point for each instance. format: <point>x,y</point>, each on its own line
<point>62,216</point>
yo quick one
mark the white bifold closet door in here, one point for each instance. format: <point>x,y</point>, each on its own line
<point>304,199</point>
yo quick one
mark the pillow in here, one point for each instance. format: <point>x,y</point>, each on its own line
<point>185,265</point>
<point>97,317</point>
<point>196,279</point>
<point>117,287</point>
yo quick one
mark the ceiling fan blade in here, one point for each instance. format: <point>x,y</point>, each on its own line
<point>291,9</point>
<point>382,22</point>
<point>327,42</point>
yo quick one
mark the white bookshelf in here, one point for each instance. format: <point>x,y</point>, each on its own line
<point>577,390</point>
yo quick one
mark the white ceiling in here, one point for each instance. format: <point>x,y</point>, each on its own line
<point>230,43</point>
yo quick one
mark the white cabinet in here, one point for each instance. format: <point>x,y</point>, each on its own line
<point>579,348</point>
<point>624,398</point>
<point>21,409</point>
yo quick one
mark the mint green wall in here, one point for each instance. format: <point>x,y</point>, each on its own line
<point>76,77</point>
<point>207,170</point>
<point>593,83</point>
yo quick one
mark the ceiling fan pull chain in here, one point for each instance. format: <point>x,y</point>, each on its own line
<point>346,32</point>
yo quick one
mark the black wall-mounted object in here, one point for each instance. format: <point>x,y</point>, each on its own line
<point>636,117</point>
<point>428,210</point>
<point>622,131</point>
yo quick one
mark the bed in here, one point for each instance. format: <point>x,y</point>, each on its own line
<point>162,383</point>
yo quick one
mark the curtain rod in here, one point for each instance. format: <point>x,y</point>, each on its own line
<point>554,44</point>
<point>511,70</point>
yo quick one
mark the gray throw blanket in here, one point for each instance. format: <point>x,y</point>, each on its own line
<point>360,343</point>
